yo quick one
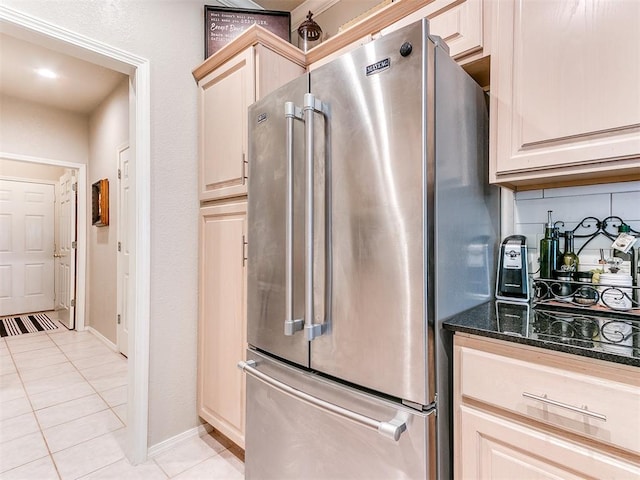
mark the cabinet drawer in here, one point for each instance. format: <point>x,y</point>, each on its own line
<point>592,406</point>
<point>493,447</point>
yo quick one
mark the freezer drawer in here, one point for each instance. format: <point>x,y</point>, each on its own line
<point>292,438</point>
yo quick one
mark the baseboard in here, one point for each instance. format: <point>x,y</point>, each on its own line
<point>104,339</point>
<point>169,443</point>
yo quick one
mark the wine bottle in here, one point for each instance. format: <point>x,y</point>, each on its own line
<point>569,259</point>
<point>548,250</point>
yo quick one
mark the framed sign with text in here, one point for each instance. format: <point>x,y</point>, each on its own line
<point>222,24</point>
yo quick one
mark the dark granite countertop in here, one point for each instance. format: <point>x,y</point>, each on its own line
<point>606,336</point>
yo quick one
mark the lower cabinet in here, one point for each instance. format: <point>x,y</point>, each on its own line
<point>222,318</point>
<point>493,447</point>
<point>523,412</point>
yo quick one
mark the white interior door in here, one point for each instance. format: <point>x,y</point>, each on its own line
<point>65,256</point>
<point>124,248</point>
<point>26,247</point>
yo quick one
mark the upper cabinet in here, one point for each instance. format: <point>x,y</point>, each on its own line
<point>463,24</point>
<point>458,23</point>
<point>565,96</point>
<point>242,72</point>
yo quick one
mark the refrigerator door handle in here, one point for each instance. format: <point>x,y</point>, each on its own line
<point>311,106</point>
<point>291,325</point>
<point>392,429</point>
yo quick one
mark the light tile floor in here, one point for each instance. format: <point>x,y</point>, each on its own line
<point>63,409</point>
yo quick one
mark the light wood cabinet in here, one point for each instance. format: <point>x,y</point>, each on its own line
<point>222,318</point>
<point>253,65</point>
<point>458,23</point>
<point>524,412</point>
<point>565,102</point>
<point>465,25</point>
<point>497,448</point>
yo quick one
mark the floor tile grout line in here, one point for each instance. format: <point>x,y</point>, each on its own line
<point>33,412</point>
<point>194,465</point>
<point>104,466</point>
<point>109,407</point>
<point>96,392</point>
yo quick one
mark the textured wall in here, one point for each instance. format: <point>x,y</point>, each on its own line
<point>34,130</point>
<point>108,131</point>
<point>169,34</point>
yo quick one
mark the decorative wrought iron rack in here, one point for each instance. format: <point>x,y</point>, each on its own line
<point>594,228</point>
<point>592,296</point>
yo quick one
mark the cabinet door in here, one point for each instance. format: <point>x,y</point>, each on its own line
<point>565,102</point>
<point>222,318</point>
<point>458,22</point>
<point>491,447</point>
<point>225,95</point>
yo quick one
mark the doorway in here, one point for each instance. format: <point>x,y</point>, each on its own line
<point>80,250</point>
<point>36,31</point>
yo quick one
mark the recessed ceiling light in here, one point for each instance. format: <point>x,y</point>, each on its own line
<point>46,73</point>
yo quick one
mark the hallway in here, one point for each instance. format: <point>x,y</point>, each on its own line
<point>63,414</point>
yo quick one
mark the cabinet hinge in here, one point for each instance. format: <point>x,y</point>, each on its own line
<point>119,174</point>
<point>245,166</point>
<point>119,246</point>
<point>244,249</point>
<point>118,319</point>
<point>73,302</point>
<point>74,187</point>
<point>74,244</point>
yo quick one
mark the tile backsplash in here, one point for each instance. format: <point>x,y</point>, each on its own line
<point>571,205</point>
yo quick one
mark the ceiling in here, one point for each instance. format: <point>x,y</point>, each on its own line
<point>71,91</point>
<point>281,5</point>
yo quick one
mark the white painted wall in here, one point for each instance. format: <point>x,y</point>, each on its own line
<point>30,171</point>
<point>34,130</point>
<point>170,34</point>
<point>571,205</point>
<point>108,131</point>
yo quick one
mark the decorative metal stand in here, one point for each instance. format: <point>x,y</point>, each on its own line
<point>594,228</point>
<point>593,296</point>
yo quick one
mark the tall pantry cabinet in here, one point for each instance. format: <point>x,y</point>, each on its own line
<point>251,66</point>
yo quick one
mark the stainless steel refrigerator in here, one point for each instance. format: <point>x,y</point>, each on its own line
<point>370,221</point>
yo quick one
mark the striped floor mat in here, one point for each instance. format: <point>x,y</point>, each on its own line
<point>38,322</point>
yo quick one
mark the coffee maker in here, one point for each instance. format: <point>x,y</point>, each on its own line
<point>512,283</point>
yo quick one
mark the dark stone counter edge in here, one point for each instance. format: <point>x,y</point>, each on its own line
<point>461,323</point>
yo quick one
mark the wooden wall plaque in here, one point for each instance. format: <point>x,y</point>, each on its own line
<point>100,203</point>
<point>222,24</point>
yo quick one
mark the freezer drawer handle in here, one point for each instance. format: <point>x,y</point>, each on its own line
<point>391,429</point>
<point>555,403</point>
<point>291,326</point>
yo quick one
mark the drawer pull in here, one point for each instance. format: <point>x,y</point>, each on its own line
<point>583,410</point>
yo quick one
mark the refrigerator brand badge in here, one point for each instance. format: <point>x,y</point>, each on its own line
<point>261,118</point>
<point>378,66</point>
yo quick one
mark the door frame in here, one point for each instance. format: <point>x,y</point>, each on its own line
<point>41,32</point>
<point>81,251</point>
<point>119,229</point>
